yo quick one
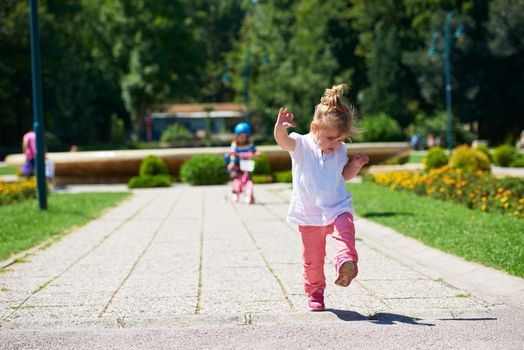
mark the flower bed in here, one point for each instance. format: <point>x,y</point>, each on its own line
<point>477,190</point>
<point>13,192</point>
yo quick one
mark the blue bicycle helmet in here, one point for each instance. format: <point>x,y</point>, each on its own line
<point>243,128</point>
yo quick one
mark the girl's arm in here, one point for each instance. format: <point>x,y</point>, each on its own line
<point>284,121</point>
<point>352,168</point>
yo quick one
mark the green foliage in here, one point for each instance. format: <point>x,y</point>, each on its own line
<point>517,163</point>
<point>204,170</point>
<point>176,133</point>
<point>379,127</point>
<point>503,155</point>
<point>283,60</point>
<point>505,24</point>
<point>469,159</point>
<point>154,48</point>
<point>261,179</point>
<point>385,74</point>
<point>484,149</point>
<point>153,165</point>
<point>262,166</point>
<point>126,58</point>
<point>145,181</point>
<point>118,135</point>
<point>435,158</point>
<point>283,176</point>
<point>153,173</point>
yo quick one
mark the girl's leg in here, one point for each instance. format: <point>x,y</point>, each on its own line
<point>314,252</point>
<point>237,188</point>
<point>346,257</point>
<point>248,189</point>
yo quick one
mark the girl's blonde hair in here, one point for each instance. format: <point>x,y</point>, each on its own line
<point>332,112</point>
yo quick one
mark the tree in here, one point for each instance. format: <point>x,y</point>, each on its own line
<point>503,91</point>
<point>285,57</point>
<point>385,75</point>
<point>216,26</point>
<point>152,49</point>
<point>15,75</point>
<point>395,28</point>
<point>79,95</point>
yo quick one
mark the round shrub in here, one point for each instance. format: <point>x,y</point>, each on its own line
<point>484,149</point>
<point>152,165</point>
<point>204,169</point>
<point>504,155</point>
<point>469,159</point>
<point>379,127</point>
<point>149,181</point>
<point>262,166</point>
<point>435,158</point>
<point>176,133</point>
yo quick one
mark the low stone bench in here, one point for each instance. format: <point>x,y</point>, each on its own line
<point>119,166</point>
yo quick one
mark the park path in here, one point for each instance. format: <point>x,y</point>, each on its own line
<point>185,259</point>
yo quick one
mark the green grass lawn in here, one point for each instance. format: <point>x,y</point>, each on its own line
<point>7,170</point>
<point>416,156</point>
<point>491,239</point>
<point>24,225</point>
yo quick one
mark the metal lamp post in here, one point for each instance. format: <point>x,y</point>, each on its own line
<point>447,72</point>
<point>38,125</point>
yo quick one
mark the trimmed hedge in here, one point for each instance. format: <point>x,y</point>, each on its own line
<point>149,181</point>
<point>153,173</point>
<point>262,179</point>
<point>204,169</point>
<point>153,165</point>
<point>504,155</point>
<point>283,176</point>
<point>469,159</point>
<point>262,166</point>
<point>435,158</point>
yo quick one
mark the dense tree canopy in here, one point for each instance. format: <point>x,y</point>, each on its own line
<point>108,62</point>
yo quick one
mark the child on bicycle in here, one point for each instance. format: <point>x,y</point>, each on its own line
<point>241,148</point>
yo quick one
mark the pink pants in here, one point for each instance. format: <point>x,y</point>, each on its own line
<point>314,243</point>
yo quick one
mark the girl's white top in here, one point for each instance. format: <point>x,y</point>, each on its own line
<point>319,189</point>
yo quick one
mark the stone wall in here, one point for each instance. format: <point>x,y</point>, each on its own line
<point>119,166</point>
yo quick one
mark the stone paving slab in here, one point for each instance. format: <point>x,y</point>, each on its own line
<point>184,257</point>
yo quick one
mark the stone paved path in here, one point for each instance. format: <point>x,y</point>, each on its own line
<point>184,260</point>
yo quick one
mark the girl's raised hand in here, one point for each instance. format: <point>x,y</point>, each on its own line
<point>360,159</point>
<point>285,119</point>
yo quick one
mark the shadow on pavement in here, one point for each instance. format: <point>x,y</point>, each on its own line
<point>379,318</point>
<point>469,319</point>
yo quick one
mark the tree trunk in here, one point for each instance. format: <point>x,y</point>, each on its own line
<point>139,121</point>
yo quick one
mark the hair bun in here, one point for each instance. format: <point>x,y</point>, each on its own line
<point>332,97</point>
